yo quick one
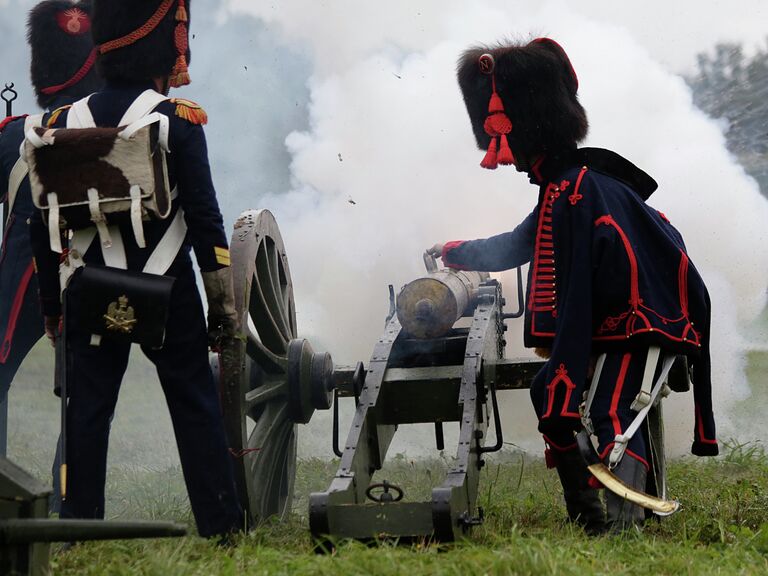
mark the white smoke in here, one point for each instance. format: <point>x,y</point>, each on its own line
<point>388,166</point>
<point>366,91</point>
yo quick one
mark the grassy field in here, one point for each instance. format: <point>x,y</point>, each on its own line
<point>722,528</point>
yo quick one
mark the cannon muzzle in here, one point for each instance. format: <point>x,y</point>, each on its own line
<point>429,306</point>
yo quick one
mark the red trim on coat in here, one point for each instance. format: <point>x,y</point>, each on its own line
<point>18,300</point>
<point>575,196</point>
<point>617,393</point>
<point>9,119</point>
<point>541,290</point>
<point>643,330</point>
<point>561,375</point>
<point>636,303</point>
<point>628,452</point>
<point>635,290</point>
<point>700,428</point>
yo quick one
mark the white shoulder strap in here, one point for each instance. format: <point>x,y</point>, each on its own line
<point>143,105</point>
<point>166,250</point>
<point>33,121</point>
<point>163,124</point>
<point>79,115</point>
<point>20,168</point>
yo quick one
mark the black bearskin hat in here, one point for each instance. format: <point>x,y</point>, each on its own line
<point>537,88</point>
<point>59,35</point>
<point>142,39</point>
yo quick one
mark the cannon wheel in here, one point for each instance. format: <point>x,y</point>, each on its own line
<point>262,437</point>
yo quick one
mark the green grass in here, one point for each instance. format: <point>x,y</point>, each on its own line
<point>721,529</point>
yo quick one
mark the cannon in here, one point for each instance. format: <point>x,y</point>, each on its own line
<point>440,359</point>
<point>26,531</point>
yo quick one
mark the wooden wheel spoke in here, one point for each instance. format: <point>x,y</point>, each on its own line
<point>286,291</point>
<point>265,393</point>
<point>264,312</point>
<point>263,356</point>
<point>268,276</point>
<point>272,460</point>
<point>277,274</point>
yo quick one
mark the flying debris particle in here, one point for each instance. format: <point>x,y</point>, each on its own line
<point>246,68</point>
<point>193,36</point>
<point>351,201</point>
<point>340,158</point>
<point>397,76</point>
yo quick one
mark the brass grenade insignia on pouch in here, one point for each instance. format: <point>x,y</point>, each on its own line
<point>120,316</point>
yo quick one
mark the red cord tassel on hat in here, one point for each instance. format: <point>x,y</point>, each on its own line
<point>180,74</point>
<point>491,159</point>
<point>497,124</point>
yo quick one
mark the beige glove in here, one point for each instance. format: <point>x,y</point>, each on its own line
<point>223,321</point>
<point>436,250</point>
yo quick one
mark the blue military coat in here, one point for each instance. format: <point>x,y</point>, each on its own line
<point>608,272</point>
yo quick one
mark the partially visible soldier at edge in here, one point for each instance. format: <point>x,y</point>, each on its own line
<point>62,71</point>
<point>143,47</point>
<point>608,274</point>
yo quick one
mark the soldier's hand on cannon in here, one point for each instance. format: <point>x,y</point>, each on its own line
<point>436,250</point>
<point>222,316</point>
<point>52,326</point>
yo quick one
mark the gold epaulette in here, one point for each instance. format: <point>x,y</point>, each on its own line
<point>55,115</point>
<point>190,111</point>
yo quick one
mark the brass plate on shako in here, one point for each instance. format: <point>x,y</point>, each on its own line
<point>120,316</point>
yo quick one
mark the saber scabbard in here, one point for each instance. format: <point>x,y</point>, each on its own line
<point>611,482</point>
<point>61,385</point>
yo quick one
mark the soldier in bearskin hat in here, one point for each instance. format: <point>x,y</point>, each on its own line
<point>610,286</point>
<point>142,52</point>
<point>62,71</point>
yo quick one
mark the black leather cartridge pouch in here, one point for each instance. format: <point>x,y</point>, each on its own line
<point>121,304</point>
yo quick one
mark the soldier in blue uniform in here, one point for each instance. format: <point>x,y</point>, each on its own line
<point>608,273</point>
<point>62,71</point>
<point>143,46</point>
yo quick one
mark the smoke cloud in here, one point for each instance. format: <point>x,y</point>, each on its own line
<point>344,118</point>
<point>387,167</point>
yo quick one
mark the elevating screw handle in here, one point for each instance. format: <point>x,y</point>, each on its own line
<point>430,262</point>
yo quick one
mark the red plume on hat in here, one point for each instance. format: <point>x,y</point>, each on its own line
<point>521,96</point>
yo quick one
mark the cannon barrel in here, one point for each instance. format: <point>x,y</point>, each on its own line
<point>26,530</point>
<point>429,306</point>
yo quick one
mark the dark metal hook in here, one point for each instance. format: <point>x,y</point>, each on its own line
<point>8,100</point>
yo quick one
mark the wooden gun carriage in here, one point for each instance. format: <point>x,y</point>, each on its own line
<point>424,369</point>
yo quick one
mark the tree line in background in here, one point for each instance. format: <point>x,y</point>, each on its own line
<point>733,87</point>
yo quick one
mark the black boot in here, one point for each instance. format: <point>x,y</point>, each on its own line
<point>622,514</point>
<point>581,500</point>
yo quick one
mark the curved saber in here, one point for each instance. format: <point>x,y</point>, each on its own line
<point>611,482</point>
